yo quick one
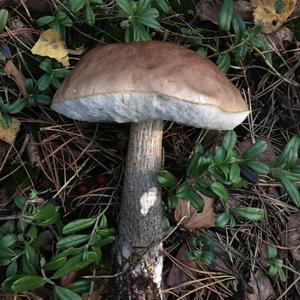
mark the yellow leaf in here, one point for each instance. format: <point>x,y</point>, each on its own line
<point>50,44</point>
<point>271,14</point>
<point>12,70</point>
<point>8,135</point>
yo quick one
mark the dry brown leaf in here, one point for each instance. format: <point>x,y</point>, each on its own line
<point>9,134</point>
<point>50,44</point>
<point>11,70</point>
<point>292,236</point>
<point>265,14</point>
<point>262,288</point>
<point>183,271</point>
<point>195,220</point>
<point>282,39</point>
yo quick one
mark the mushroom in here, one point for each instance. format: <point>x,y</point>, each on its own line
<point>145,83</point>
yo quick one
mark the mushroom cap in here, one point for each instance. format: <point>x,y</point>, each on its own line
<point>150,80</point>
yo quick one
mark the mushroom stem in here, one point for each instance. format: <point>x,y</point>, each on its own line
<point>140,225</point>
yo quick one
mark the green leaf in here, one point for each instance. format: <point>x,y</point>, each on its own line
<point>27,267</point>
<point>6,253</point>
<point>166,179</point>
<point>45,20</point>
<point>140,33</point>
<point>55,263</point>
<point>103,222</point>
<point>8,240</point>
<point>74,264</point>
<point>289,154</point>
<point>229,140</point>
<point>78,225</point>
<point>163,5</point>
<point>9,226</point>
<point>17,106</point>
<point>32,256</point>
<point>239,28</point>
<point>80,286</point>
<point>234,173</point>
<point>6,284</point>
<point>198,165</point>
<point>11,269</point>
<point>282,275</point>
<point>172,201</point>
<point>126,6</point>
<point>290,188</point>
<point>20,201</point>
<point>207,257</point>
<point>46,216</point>
<point>240,52</point>
<point>72,241</point>
<point>96,1</point>
<point>105,241</point>
<point>142,6</point>
<point>42,99</point>
<point>44,82</point>
<point>77,5</point>
<point>220,155</point>
<point>203,187</point>
<point>222,219</point>
<point>257,166</point>
<point>219,189</point>
<point>63,293</point>
<point>250,213</point>
<point>148,18</point>
<point>255,150</point>
<point>272,252</point>
<point>224,61</point>
<point>4,14</point>
<point>226,14</point>
<point>272,271</point>
<point>90,15</point>
<point>46,65</point>
<point>27,283</point>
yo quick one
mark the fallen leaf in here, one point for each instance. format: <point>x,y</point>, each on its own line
<point>182,271</point>
<point>8,135</point>
<point>292,235</point>
<point>21,31</point>
<point>282,39</point>
<point>195,220</point>
<point>50,44</point>
<point>33,151</point>
<point>271,14</point>
<point>11,70</point>
<point>208,10</point>
<point>262,287</point>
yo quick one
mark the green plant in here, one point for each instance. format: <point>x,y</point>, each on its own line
<point>140,15</point>
<point>286,169</point>
<point>202,250</point>
<point>53,74</point>
<point>4,14</point>
<point>245,39</point>
<point>89,6</point>
<point>31,255</point>
<point>276,264</point>
<point>212,174</point>
<point>59,22</point>
<point>34,97</point>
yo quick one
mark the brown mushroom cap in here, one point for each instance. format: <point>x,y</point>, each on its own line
<point>150,80</point>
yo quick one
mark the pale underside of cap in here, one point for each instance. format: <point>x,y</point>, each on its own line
<point>150,80</point>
